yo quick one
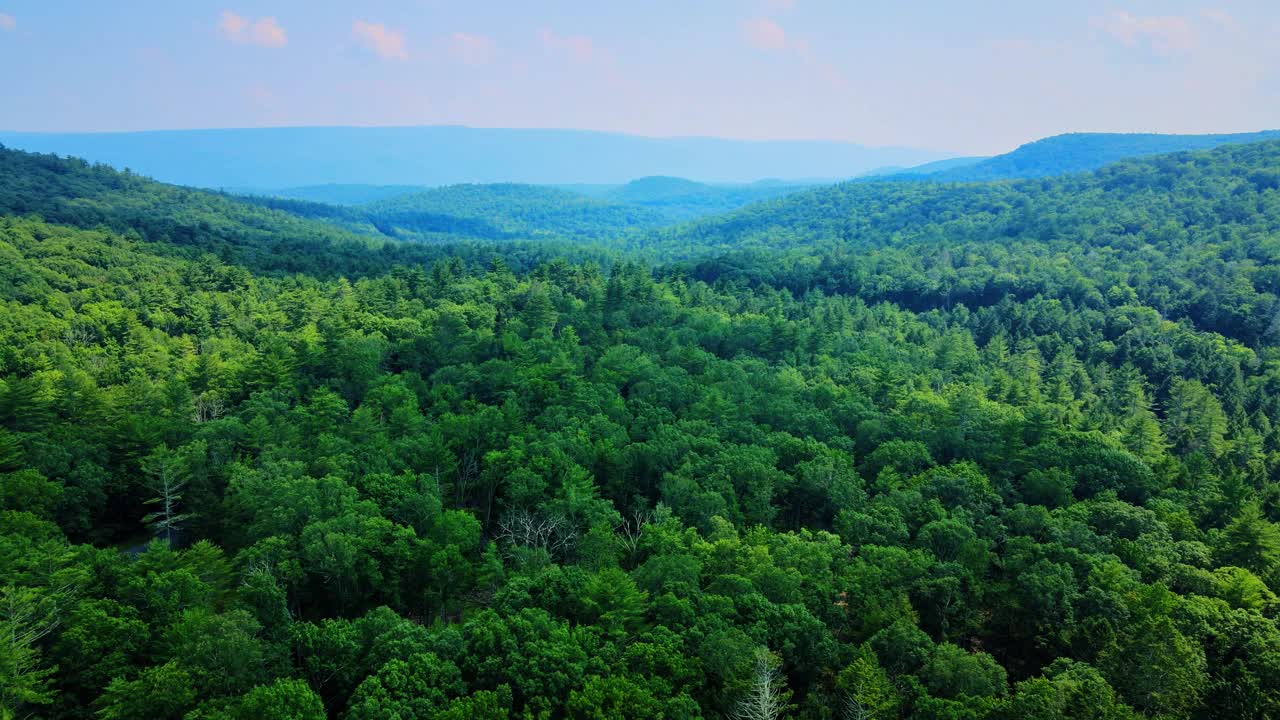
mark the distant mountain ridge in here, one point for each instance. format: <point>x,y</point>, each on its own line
<point>334,193</point>
<point>862,214</point>
<point>447,155</point>
<point>504,211</point>
<point>496,210</point>
<point>1075,152</point>
<point>928,168</point>
<point>679,199</point>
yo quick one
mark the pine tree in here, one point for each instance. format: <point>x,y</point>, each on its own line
<point>539,314</point>
<point>1195,421</point>
<point>1140,431</point>
<point>25,619</point>
<point>1251,542</point>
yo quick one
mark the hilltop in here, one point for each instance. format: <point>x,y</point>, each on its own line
<point>1077,152</point>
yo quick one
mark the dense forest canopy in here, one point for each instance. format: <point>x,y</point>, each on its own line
<point>260,234</point>
<point>337,193</point>
<point>679,200</point>
<point>510,211</point>
<point>531,209</point>
<point>874,451</point>
<point>506,211</point>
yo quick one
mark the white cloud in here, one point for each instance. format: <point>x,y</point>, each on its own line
<point>8,23</point>
<point>1163,33</point>
<point>579,47</point>
<point>764,34</point>
<point>473,49</point>
<point>383,41</point>
<point>268,33</point>
<point>263,32</point>
<point>232,25</point>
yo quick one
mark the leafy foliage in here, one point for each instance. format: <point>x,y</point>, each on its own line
<point>678,200</point>
<point>840,478</point>
<point>504,212</point>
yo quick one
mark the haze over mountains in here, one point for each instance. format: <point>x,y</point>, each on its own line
<point>677,179</point>
<point>578,212</point>
<point>444,155</point>
<point>1075,152</point>
<point>369,400</point>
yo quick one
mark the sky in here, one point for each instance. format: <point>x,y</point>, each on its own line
<point>975,77</point>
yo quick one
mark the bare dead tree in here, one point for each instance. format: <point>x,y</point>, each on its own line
<point>549,534</point>
<point>208,406</point>
<point>767,696</point>
<point>630,529</point>
<point>855,709</point>
<point>468,471</point>
<point>168,484</point>
<point>79,334</point>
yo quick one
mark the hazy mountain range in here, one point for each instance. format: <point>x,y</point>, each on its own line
<point>444,155</point>
<point>355,166</point>
<point>1073,152</point>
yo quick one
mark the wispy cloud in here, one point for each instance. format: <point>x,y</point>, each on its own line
<point>263,32</point>
<point>380,39</point>
<point>472,49</point>
<point>1221,18</point>
<point>232,25</point>
<point>762,33</point>
<point>766,35</point>
<point>8,23</point>
<point>1162,33</point>
<point>579,47</point>
<point>267,33</point>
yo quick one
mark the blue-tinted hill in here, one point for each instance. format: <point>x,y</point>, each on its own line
<point>929,168</point>
<point>335,193</point>
<point>505,211</point>
<point>1080,152</point>
<point>678,199</point>
<point>445,155</point>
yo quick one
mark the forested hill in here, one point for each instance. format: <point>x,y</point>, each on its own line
<point>73,192</point>
<point>678,200</point>
<point>506,211</point>
<point>1193,234</point>
<point>335,194</point>
<point>1078,152</point>
<point>503,211</point>
<point>911,452</point>
<point>261,234</point>
<point>498,213</point>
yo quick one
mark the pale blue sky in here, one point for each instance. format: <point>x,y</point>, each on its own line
<point>969,77</point>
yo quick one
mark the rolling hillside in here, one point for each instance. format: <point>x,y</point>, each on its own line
<point>1182,230</point>
<point>913,450</point>
<point>267,235</point>
<point>678,199</point>
<point>506,211</point>
<point>335,193</point>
